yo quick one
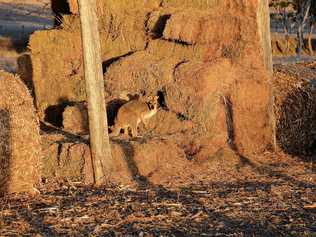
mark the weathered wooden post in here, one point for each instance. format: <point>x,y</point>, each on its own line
<point>99,138</point>
<point>264,30</point>
<point>263,16</point>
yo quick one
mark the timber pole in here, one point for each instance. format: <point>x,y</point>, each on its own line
<point>99,138</point>
<point>265,33</point>
<point>263,19</point>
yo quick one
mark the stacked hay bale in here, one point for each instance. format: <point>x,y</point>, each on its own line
<point>20,149</point>
<point>204,58</point>
<point>196,65</point>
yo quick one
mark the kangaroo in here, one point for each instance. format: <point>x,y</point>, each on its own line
<point>134,112</point>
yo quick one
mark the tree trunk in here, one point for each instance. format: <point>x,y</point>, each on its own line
<point>99,138</point>
<point>303,14</point>
<point>286,29</point>
<point>310,38</point>
<point>300,41</point>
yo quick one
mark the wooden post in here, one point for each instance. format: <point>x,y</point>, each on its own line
<point>99,138</point>
<point>265,35</point>
<point>263,19</point>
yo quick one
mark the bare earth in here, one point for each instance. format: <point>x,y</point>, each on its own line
<point>272,195</point>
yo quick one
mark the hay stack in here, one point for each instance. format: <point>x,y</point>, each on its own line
<point>150,47</point>
<point>62,71</point>
<point>20,149</point>
<point>295,108</point>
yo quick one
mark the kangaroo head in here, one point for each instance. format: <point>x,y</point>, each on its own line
<point>152,102</point>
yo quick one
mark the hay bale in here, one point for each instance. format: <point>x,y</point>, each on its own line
<point>194,92</point>
<point>65,157</point>
<point>20,142</point>
<point>75,119</point>
<point>149,158</point>
<point>156,160</point>
<point>151,161</point>
<point>197,91</point>
<point>120,32</point>
<point>75,163</point>
<point>61,74</point>
<point>251,113</point>
<point>219,5</point>
<point>51,152</point>
<point>189,52</point>
<point>165,49</point>
<point>295,108</point>
<point>139,72</point>
<point>202,27</point>
<point>127,5</point>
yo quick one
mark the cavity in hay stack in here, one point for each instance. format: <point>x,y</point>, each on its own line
<point>20,149</point>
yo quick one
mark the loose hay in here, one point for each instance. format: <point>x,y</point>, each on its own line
<point>19,137</point>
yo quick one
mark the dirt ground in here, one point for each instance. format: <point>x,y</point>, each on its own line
<point>273,195</point>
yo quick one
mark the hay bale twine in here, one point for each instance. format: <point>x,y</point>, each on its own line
<point>20,149</point>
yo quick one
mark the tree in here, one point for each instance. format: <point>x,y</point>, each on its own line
<point>303,12</point>
<point>312,24</point>
<point>283,7</point>
<point>99,138</point>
